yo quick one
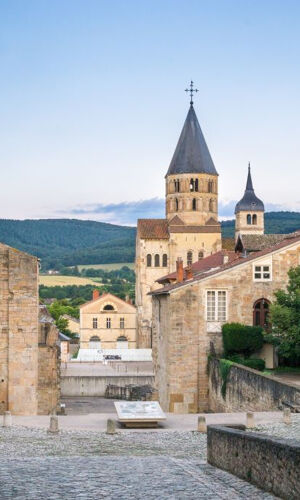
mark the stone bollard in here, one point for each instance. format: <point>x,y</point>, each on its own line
<point>202,424</point>
<point>111,426</point>
<point>250,420</point>
<point>53,428</point>
<point>7,419</point>
<point>287,416</point>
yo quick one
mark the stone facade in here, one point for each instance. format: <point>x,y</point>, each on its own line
<point>270,463</point>
<point>48,367</point>
<point>244,223</point>
<point>107,322</point>
<point>184,326</point>
<point>19,332</point>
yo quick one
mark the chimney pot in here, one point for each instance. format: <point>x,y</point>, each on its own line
<point>95,294</point>
<point>189,273</point>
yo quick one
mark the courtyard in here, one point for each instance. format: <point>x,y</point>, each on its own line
<point>89,464</point>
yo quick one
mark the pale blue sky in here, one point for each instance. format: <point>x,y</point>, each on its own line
<point>92,101</point>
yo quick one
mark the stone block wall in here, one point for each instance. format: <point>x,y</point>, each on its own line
<point>270,463</point>
<point>248,390</point>
<point>48,368</point>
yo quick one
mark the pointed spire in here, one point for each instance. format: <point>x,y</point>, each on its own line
<point>249,200</point>
<point>191,153</point>
<point>249,185</point>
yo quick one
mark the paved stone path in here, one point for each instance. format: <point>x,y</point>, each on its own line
<point>128,466</point>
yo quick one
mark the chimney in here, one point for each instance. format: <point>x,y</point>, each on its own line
<point>95,294</point>
<point>179,270</point>
<point>225,259</point>
<point>189,273</point>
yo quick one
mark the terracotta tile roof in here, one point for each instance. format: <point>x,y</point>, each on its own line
<point>156,229</point>
<point>293,238</point>
<point>203,265</point>
<point>195,229</point>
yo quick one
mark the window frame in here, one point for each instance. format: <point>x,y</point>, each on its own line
<point>122,323</point>
<point>255,271</point>
<point>108,323</point>
<point>95,322</point>
<point>216,319</point>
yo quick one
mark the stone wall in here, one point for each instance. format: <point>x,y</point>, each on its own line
<point>270,463</point>
<point>248,390</point>
<point>96,386</point>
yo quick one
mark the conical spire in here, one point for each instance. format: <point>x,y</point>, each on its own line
<point>249,201</point>
<point>191,153</point>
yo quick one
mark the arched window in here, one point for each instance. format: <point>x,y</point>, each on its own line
<point>254,219</point>
<point>122,342</point>
<point>200,255</point>
<point>164,260</point>
<point>196,185</point>
<point>211,205</point>
<point>210,186</point>
<point>261,312</point>
<point>176,204</point>
<point>189,258</point>
<point>194,204</point>
<point>192,185</point>
<point>95,342</point>
<point>249,219</point>
<point>108,307</point>
<point>149,260</point>
<point>156,260</point>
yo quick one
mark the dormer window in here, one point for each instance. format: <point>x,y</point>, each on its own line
<point>108,307</point>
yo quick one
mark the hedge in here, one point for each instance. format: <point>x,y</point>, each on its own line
<point>241,339</point>
<point>255,363</point>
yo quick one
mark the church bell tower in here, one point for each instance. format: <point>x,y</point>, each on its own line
<point>249,211</point>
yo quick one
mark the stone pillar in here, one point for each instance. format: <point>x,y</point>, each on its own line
<point>53,428</point>
<point>111,426</point>
<point>250,420</point>
<point>287,416</point>
<point>7,419</point>
<point>202,424</point>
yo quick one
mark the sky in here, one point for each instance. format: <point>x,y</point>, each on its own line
<point>92,102</point>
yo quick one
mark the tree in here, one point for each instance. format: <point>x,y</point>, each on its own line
<point>285,318</point>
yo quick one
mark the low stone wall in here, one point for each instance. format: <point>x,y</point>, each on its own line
<point>248,390</point>
<point>270,463</point>
<point>96,386</point>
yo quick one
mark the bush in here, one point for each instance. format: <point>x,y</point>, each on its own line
<point>241,339</point>
<point>255,363</point>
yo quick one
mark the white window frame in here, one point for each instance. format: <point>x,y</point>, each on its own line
<point>216,318</point>
<point>108,323</point>
<point>261,265</point>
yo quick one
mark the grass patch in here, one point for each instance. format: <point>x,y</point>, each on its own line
<point>56,280</point>
<point>107,267</point>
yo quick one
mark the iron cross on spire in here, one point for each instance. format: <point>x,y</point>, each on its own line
<point>191,91</point>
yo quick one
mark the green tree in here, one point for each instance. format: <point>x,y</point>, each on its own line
<point>285,318</point>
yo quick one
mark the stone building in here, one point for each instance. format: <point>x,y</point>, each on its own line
<point>190,230</point>
<point>27,357</point>
<point>107,322</point>
<point>249,212</point>
<point>191,307</point>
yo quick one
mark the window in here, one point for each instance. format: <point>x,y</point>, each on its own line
<point>211,205</point>
<point>216,305</point>
<point>200,255</point>
<point>94,342</point>
<point>176,204</point>
<point>196,185</point>
<point>108,307</point>
<point>210,186</point>
<point>165,260</point>
<point>122,342</point>
<point>108,322</point>
<point>156,260</point>
<point>95,323</point>
<point>149,260</point>
<point>261,313</point>
<point>254,219</point>
<point>262,273</point>
<point>122,323</point>
<point>189,258</point>
<point>194,204</point>
<point>192,185</point>
<point>249,219</point>
<point>177,185</point>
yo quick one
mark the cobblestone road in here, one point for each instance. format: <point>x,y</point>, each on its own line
<point>127,466</point>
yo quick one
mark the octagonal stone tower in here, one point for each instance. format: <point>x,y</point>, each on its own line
<point>249,212</point>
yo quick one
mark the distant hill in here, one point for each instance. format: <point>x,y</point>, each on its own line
<point>67,242</point>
